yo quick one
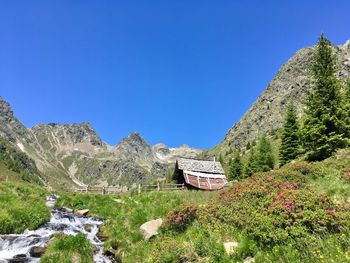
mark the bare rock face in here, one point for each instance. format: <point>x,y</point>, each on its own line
<point>150,228</point>
<point>290,84</point>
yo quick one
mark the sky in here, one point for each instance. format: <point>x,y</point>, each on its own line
<point>178,72</point>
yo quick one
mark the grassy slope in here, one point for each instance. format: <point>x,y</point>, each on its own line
<point>202,241</point>
<point>125,214</point>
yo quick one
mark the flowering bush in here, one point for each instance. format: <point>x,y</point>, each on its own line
<point>278,208</point>
<point>346,176</point>
<point>181,217</point>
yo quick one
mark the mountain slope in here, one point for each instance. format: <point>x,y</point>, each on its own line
<point>290,84</point>
<point>74,155</point>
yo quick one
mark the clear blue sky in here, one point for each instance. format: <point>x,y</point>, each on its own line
<point>176,71</point>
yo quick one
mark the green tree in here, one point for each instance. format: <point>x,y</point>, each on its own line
<point>236,168</point>
<point>251,165</point>
<point>290,137</point>
<point>323,126</point>
<point>265,159</point>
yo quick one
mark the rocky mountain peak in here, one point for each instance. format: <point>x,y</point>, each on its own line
<point>289,84</point>
<point>134,145</point>
<point>10,128</point>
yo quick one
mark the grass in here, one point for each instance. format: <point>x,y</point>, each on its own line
<point>22,206</point>
<point>68,249</point>
<point>126,214</point>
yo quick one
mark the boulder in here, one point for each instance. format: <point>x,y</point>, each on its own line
<point>82,212</point>
<point>249,260</point>
<point>88,227</point>
<point>110,252</point>
<point>37,252</point>
<point>19,259</point>
<point>102,237</point>
<point>68,210</point>
<point>150,228</point>
<point>230,247</point>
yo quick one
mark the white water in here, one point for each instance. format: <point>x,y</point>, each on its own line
<point>60,222</point>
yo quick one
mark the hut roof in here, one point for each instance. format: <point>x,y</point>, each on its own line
<point>200,166</point>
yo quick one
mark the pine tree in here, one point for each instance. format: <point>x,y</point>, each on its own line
<point>323,126</point>
<point>251,166</point>
<point>290,137</point>
<point>236,168</point>
<point>346,117</point>
<point>265,159</point>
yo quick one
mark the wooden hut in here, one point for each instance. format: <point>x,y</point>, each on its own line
<point>205,175</point>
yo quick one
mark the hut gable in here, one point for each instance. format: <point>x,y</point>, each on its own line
<point>205,175</point>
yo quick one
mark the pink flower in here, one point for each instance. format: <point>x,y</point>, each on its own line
<point>280,196</point>
<point>286,184</point>
<point>276,222</point>
<point>276,184</point>
<point>330,211</point>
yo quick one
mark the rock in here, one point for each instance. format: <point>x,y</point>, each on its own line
<point>110,252</point>
<point>19,259</point>
<point>37,252</point>
<point>68,210</point>
<point>88,227</point>
<point>150,228</point>
<point>249,260</point>
<point>82,212</point>
<point>102,237</point>
<point>230,247</point>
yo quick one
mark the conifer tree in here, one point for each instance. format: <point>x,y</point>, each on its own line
<point>290,137</point>
<point>236,168</point>
<point>251,166</point>
<point>323,126</point>
<point>265,159</point>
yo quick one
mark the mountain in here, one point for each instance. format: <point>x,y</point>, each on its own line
<point>74,155</point>
<point>290,84</point>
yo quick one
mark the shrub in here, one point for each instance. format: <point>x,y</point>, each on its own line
<point>278,208</point>
<point>181,217</point>
<point>346,175</point>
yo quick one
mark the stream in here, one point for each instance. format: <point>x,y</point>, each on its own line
<point>17,247</point>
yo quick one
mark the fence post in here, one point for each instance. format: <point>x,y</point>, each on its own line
<point>158,187</point>
<point>103,190</point>
<point>139,189</point>
<point>87,189</point>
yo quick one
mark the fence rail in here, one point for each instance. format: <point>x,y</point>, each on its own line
<point>140,189</point>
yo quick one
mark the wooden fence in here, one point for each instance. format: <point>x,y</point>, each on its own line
<point>140,189</point>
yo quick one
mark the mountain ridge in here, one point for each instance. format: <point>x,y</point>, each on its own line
<point>74,155</point>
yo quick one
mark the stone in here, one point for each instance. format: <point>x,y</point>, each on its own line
<point>37,252</point>
<point>68,210</point>
<point>110,252</point>
<point>82,212</point>
<point>19,259</point>
<point>249,260</point>
<point>230,247</point>
<point>102,237</point>
<point>150,228</point>
<point>88,227</point>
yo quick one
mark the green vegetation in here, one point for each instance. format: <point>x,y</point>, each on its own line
<point>290,137</point>
<point>286,215</point>
<point>125,215</point>
<point>68,249</point>
<point>23,167</point>
<point>324,129</point>
<point>236,168</point>
<point>262,159</point>
<point>22,206</point>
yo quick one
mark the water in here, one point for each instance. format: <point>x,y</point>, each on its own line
<point>60,222</point>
